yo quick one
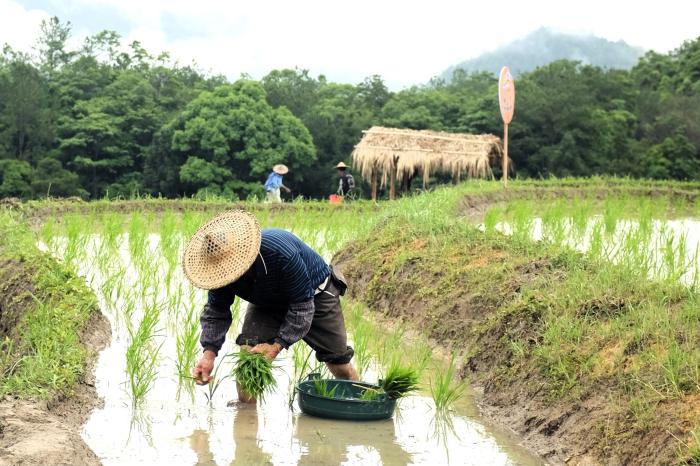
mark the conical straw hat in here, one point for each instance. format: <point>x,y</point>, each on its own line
<point>341,165</point>
<point>280,169</point>
<point>222,250</point>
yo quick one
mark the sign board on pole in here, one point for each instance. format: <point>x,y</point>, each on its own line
<point>506,95</point>
<point>506,100</point>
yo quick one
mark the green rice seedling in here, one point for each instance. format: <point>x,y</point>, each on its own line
<point>137,235</point>
<point>445,389</point>
<point>112,226</point>
<point>253,373</point>
<point>361,336</point>
<point>301,357</point>
<point>491,218</point>
<point>215,381</point>
<point>75,239</point>
<point>399,381</point>
<point>321,387</point>
<point>47,234</point>
<point>390,346</point>
<point>422,352</point>
<point>370,394</point>
<point>187,345</point>
<point>142,357</point>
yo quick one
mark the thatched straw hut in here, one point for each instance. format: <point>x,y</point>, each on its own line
<point>393,154</point>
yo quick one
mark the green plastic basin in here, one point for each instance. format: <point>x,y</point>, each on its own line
<point>344,404</point>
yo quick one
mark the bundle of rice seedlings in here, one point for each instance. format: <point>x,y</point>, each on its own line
<point>253,372</point>
<point>399,381</point>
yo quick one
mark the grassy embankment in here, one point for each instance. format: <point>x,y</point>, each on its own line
<point>592,350</point>
<point>44,310</point>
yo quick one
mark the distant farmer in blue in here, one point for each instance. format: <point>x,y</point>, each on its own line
<point>292,294</point>
<point>274,183</point>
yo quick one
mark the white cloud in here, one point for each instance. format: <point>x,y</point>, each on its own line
<point>406,42</point>
<point>19,27</point>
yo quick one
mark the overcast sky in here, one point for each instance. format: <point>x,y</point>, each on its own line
<point>407,42</point>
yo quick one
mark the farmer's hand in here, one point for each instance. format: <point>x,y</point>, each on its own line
<point>270,351</point>
<point>202,371</point>
<point>287,189</point>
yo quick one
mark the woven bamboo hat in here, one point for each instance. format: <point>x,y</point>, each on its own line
<point>280,169</point>
<point>341,165</point>
<point>222,250</point>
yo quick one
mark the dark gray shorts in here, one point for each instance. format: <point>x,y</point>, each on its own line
<point>327,335</point>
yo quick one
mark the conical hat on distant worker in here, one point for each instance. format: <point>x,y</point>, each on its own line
<point>280,169</point>
<point>341,165</point>
<point>222,250</point>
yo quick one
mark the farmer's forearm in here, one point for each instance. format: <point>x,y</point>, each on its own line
<point>215,324</point>
<point>296,323</point>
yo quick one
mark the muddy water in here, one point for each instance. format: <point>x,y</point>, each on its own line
<point>174,427</point>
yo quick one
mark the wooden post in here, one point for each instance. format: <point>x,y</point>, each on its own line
<point>374,184</point>
<point>505,155</point>
<point>392,183</point>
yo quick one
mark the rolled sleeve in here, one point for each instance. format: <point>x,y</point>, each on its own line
<point>216,319</point>
<point>296,323</point>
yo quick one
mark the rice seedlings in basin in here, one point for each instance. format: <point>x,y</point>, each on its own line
<point>445,389</point>
<point>321,387</point>
<point>370,394</point>
<point>399,381</point>
<point>142,357</point>
<point>253,373</point>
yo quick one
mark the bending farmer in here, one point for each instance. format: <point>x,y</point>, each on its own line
<point>292,293</point>
<point>274,183</point>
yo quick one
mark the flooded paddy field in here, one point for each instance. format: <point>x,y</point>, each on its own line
<point>153,412</point>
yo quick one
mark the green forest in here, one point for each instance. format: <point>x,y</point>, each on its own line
<point>109,120</point>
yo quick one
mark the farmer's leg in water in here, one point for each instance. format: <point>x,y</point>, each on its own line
<point>343,371</point>
<point>327,335</point>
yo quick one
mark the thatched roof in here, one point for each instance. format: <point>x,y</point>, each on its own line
<point>382,150</point>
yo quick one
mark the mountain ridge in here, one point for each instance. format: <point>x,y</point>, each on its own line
<point>543,46</point>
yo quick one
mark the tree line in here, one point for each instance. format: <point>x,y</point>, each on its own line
<point>107,120</point>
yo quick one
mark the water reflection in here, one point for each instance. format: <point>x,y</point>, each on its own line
<point>326,442</point>
<point>247,450</point>
<point>199,441</point>
<point>322,442</point>
<point>245,436</point>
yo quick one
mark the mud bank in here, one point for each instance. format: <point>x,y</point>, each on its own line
<point>493,304</point>
<point>40,421</point>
